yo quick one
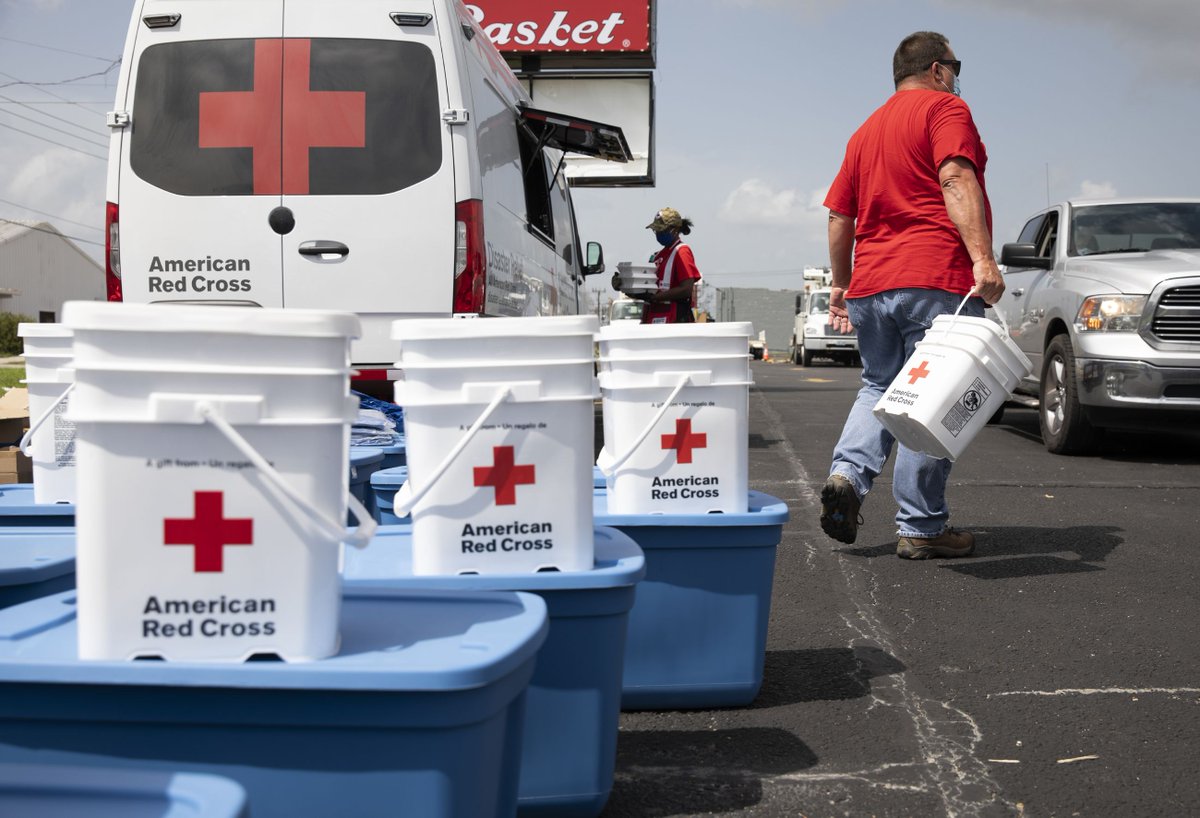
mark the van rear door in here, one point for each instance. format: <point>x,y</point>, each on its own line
<point>368,164</point>
<point>199,161</point>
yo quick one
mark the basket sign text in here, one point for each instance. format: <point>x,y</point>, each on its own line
<point>554,26</point>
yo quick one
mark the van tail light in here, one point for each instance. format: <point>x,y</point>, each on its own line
<point>112,252</point>
<point>470,259</point>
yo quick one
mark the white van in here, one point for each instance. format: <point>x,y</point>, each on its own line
<point>346,156</point>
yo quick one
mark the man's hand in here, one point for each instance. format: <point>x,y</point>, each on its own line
<point>989,284</point>
<point>839,318</point>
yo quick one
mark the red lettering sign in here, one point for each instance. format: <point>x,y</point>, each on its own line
<point>554,26</point>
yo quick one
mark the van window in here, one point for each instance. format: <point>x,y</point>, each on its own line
<point>296,116</point>
<point>537,184</point>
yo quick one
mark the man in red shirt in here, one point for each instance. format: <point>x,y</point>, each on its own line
<point>909,239</point>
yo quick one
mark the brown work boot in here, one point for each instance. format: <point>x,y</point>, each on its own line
<point>949,543</point>
<point>839,509</point>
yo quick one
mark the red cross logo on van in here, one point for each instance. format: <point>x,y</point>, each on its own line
<point>684,441</point>
<point>208,532</point>
<point>505,475</point>
<point>282,117</point>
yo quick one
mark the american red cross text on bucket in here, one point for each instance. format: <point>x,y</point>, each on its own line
<point>916,373</point>
<point>209,532</point>
<point>684,440</point>
<point>504,476</point>
<point>282,118</point>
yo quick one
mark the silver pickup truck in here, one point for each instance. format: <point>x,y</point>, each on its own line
<point>1104,298</point>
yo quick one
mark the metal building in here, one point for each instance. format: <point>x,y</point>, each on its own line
<point>40,268</point>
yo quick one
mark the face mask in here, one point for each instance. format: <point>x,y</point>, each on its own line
<point>956,89</point>
<point>666,238</point>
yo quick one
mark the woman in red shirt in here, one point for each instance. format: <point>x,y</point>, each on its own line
<point>676,269</point>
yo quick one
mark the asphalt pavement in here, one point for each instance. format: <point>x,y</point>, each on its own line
<point>1054,673</point>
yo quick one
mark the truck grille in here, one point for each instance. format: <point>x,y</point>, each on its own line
<point>1177,316</point>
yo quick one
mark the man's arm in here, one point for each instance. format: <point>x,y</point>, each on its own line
<point>841,252</point>
<point>964,204</point>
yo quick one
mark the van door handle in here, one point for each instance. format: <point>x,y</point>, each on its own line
<point>1017,293</point>
<point>324,248</point>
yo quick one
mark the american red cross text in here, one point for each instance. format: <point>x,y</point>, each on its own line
<point>209,532</point>
<point>282,118</point>
<point>684,440</point>
<point>504,476</point>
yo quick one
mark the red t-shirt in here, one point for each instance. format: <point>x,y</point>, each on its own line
<point>888,182</point>
<point>683,268</point>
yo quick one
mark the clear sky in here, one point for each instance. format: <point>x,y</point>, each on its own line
<point>755,101</point>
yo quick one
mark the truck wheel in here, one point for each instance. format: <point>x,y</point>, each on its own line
<point>806,356</point>
<point>795,355</point>
<point>1065,427</point>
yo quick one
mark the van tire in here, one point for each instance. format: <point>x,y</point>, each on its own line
<point>806,356</point>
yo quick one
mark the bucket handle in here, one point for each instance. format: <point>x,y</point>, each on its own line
<point>609,464</point>
<point>27,438</point>
<point>358,538</point>
<point>962,304</point>
<point>406,499</point>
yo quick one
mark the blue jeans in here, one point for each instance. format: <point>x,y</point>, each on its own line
<point>889,324</point>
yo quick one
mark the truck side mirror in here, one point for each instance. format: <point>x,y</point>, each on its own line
<point>595,259</point>
<point>1024,254</point>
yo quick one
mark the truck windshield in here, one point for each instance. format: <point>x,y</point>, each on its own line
<point>1135,227</point>
<point>626,310</point>
<point>819,303</point>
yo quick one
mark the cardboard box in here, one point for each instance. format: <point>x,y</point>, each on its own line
<point>14,415</point>
<point>14,466</point>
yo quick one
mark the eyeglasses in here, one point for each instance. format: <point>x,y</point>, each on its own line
<point>953,65</point>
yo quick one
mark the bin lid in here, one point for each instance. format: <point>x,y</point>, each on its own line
<point>30,554</point>
<point>763,510</point>
<point>177,318</point>
<point>43,331</point>
<point>365,456</point>
<point>394,477</point>
<point>414,329</point>
<point>618,562</point>
<point>61,791</point>
<point>16,499</point>
<point>391,642</point>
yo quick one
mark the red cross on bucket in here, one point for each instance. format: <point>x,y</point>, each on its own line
<point>684,440</point>
<point>209,532</point>
<point>504,476</point>
<point>282,118</point>
<point>916,373</point>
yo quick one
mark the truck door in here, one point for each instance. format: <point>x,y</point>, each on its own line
<point>368,167</point>
<point>199,156</point>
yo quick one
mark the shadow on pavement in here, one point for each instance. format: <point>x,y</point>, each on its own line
<point>823,674</point>
<point>1005,552</point>
<point>663,773</point>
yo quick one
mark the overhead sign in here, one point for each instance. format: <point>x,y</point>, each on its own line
<point>608,31</point>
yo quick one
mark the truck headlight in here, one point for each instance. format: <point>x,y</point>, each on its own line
<point>1110,313</point>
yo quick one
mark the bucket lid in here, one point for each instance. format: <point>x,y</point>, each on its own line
<point>419,329</point>
<point>181,318</point>
<point>629,331</point>
<point>43,331</point>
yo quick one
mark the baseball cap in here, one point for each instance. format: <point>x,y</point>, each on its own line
<point>666,219</point>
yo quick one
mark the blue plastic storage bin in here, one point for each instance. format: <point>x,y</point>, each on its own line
<point>698,632</point>
<point>50,791</point>
<point>35,561</point>
<point>419,714</point>
<point>394,454</point>
<point>17,508</point>
<point>573,705</point>
<point>384,485</point>
<point>364,462</point>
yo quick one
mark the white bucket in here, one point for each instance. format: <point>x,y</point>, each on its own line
<point>208,508</point>
<point>676,425</point>
<point>958,376</point>
<point>499,444</point>
<point>50,441</point>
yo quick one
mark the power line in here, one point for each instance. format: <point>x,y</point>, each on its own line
<point>49,116</point>
<point>100,145</point>
<point>103,73</point>
<point>53,233</point>
<point>59,50</point>
<point>51,215</point>
<point>52,142</point>
<point>47,92</point>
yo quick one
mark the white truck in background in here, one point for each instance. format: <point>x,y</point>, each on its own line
<point>813,337</point>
